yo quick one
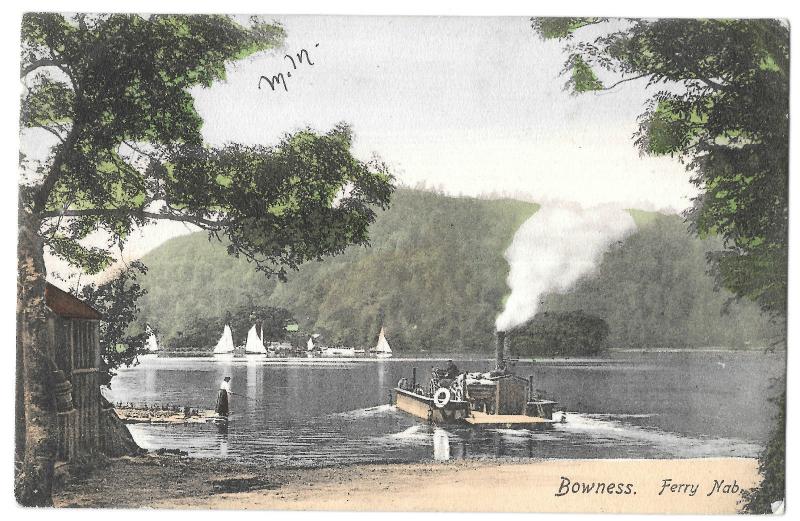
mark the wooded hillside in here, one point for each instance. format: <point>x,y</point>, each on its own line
<point>435,276</point>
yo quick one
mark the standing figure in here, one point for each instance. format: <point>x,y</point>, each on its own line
<point>223,404</point>
<point>452,370</point>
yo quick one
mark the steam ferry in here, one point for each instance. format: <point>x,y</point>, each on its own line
<point>495,398</point>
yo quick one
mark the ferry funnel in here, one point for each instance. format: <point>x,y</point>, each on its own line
<point>499,349</point>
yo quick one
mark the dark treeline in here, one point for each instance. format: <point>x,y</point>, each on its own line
<point>564,333</point>
<point>434,276</point>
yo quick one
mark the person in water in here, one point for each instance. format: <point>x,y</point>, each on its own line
<point>223,401</point>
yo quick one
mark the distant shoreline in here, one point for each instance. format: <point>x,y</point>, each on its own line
<point>687,349</point>
<point>479,356</point>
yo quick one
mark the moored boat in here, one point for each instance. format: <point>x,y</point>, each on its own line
<point>382,349</point>
<point>151,345</point>
<point>254,347</point>
<point>224,348</point>
<point>339,351</point>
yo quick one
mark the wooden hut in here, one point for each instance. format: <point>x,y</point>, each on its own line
<point>74,334</point>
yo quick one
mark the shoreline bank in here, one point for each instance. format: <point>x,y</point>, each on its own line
<point>575,485</point>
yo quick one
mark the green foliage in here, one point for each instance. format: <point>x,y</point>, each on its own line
<point>434,276</point>
<point>564,333</point>
<point>280,202</point>
<point>199,333</point>
<point>115,91</point>
<point>771,465</point>
<point>583,78</point>
<point>561,27</point>
<point>117,300</point>
<point>725,111</point>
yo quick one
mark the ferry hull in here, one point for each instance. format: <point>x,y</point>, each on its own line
<point>424,408</point>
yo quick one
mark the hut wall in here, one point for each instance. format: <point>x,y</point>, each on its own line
<point>85,350</point>
<point>60,334</point>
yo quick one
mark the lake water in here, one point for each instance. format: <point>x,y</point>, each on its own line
<point>309,412</point>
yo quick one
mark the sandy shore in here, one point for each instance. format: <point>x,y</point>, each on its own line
<point>475,486</point>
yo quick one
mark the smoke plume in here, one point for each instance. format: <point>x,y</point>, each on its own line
<point>554,248</point>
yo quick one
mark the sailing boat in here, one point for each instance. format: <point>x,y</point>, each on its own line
<point>382,349</point>
<point>151,345</point>
<point>254,345</point>
<point>224,348</point>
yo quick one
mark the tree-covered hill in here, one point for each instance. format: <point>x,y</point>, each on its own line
<point>654,290</point>
<point>435,274</point>
<point>435,277</point>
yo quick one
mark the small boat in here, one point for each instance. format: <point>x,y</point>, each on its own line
<point>279,347</point>
<point>151,345</point>
<point>254,346</point>
<point>224,348</point>
<point>339,351</point>
<point>382,349</point>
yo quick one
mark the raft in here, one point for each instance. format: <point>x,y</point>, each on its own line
<point>159,417</point>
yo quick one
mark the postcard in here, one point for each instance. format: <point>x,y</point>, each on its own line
<point>402,263</point>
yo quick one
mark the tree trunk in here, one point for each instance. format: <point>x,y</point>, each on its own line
<point>36,413</point>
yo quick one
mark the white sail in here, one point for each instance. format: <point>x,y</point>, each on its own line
<point>310,345</point>
<point>225,344</point>
<point>152,341</point>
<point>383,345</point>
<point>254,344</point>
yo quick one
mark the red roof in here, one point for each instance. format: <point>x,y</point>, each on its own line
<point>65,305</point>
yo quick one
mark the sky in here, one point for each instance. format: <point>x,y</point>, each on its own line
<point>470,106</point>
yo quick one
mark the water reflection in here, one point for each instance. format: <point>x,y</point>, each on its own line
<point>251,381</point>
<point>222,439</point>
<point>499,445</point>
<point>441,445</point>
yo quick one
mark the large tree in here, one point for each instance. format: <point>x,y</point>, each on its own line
<point>112,91</point>
<point>720,103</point>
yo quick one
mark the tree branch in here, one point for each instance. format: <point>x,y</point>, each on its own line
<point>52,131</point>
<point>711,83</point>
<point>135,212</point>
<point>625,80</point>
<point>37,64</point>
